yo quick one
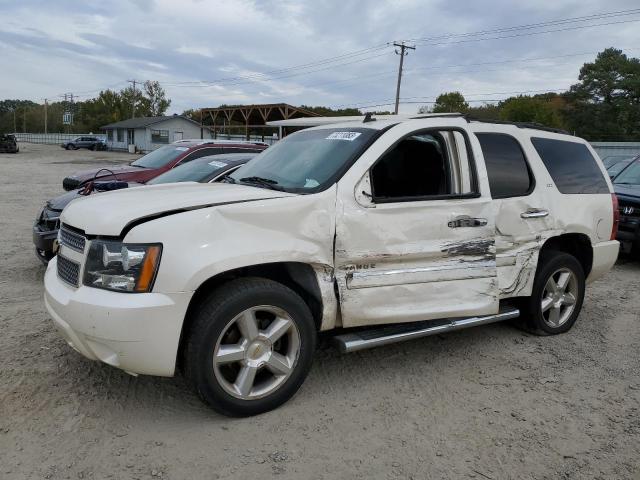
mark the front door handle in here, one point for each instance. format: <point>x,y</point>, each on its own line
<point>465,221</point>
<point>535,213</point>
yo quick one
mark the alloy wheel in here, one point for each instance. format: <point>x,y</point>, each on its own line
<point>256,352</point>
<point>559,297</point>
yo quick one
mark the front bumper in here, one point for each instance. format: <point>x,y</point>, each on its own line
<point>136,332</point>
<point>629,230</point>
<point>43,239</point>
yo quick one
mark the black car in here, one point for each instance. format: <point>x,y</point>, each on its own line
<point>8,143</point>
<point>92,143</point>
<point>627,188</point>
<point>616,163</point>
<point>207,169</point>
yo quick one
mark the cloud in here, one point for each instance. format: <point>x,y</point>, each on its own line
<point>64,46</point>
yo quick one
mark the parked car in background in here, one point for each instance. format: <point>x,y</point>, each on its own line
<point>8,143</point>
<point>212,168</point>
<point>379,230</point>
<point>92,143</point>
<point>627,188</point>
<point>616,167</point>
<point>160,160</point>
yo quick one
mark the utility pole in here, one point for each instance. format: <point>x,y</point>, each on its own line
<point>403,52</point>
<point>133,100</point>
<point>24,119</point>
<point>45,116</point>
<point>15,128</point>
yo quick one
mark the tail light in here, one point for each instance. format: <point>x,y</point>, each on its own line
<point>616,216</point>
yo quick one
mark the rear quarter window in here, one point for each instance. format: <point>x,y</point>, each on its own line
<point>509,174</point>
<point>571,166</point>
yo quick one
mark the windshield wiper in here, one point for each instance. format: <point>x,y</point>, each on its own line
<point>228,179</point>
<point>263,182</point>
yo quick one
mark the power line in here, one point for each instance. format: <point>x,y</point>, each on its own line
<point>583,18</point>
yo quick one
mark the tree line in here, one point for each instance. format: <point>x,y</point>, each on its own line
<point>604,105</point>
<point>88,115</point>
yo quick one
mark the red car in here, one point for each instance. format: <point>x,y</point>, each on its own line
<point>159,161</point>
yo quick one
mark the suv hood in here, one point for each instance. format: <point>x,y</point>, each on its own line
<point>110,212</point>
<point>631,192</point>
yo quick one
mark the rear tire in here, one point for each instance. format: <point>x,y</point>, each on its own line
<point>250,347</point>
<point>557,296</point>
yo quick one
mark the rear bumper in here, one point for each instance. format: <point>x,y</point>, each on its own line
<point>605,255</point>
<point>138,333</point>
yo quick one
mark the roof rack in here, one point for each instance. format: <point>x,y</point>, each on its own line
<point>532,125</point>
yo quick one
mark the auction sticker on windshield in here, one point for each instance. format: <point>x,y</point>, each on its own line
<point>215,163</point>
<point>349,136</point>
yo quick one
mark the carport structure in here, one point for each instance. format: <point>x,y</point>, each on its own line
<point>226,118</point>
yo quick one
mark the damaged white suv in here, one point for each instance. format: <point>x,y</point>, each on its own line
<point>401,227</point>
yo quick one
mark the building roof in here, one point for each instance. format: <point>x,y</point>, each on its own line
<point>143,122</point>
<point>252,115</point>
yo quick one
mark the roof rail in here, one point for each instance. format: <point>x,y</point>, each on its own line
<point>532,125</point>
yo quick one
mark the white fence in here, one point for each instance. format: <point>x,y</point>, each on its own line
<point>54,138</point>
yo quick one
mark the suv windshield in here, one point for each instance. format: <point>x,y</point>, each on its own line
<point>630,175</point>
<point>160,157</point>
<point>306,161</point>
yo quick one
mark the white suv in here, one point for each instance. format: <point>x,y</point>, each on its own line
<point>380,230</point>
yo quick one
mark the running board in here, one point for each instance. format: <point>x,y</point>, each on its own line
<point>360,340</point>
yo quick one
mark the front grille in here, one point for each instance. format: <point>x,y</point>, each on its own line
<point>68,271</point>
<point>70,183</point>
<point>72,240</point>
<point>628,210</point>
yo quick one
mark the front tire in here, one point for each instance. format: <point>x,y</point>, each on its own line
<point>250,347</point>
<point>557,296</point>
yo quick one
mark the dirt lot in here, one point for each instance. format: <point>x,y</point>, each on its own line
<point>486,403</point>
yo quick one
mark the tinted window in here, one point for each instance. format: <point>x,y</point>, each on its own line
<point>571,165</point>
<point>509,174</point>
<point>202,152</point>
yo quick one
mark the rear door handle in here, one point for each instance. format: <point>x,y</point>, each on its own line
<point>535,213</point>
<point>461,222</point>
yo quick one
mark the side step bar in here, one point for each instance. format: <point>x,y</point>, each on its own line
<point>361,340</point>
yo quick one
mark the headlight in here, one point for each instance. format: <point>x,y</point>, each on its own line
<point>124,267</point>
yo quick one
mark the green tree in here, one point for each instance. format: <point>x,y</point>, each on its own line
<point>450,102</point>
<point>605,103</point>
<point>530,109</point>
<point>155,99</point>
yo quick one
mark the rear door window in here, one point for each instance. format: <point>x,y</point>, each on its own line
<point>509,173</point>
<point>571,165</point>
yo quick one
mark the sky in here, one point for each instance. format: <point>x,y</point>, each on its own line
<point>332,53</point>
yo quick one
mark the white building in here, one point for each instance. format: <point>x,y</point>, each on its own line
<point>149,133</point>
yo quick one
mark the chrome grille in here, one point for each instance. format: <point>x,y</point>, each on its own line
<point>73,240</point>
<point>68,271</point>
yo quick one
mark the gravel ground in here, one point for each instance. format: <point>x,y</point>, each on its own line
<point>486,403</point>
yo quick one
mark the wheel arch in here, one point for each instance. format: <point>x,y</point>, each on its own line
<point>575,244</point>
<point>299,277</point>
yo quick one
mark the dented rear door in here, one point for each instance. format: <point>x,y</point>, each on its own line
<point>412,260</point>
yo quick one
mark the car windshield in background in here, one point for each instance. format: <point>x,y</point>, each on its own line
<point>630,175</point>
<point>160,157</point>
<point>199,170</point>
<point>616,168</point>
<point>612,160</point>
<point>307,161</point>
